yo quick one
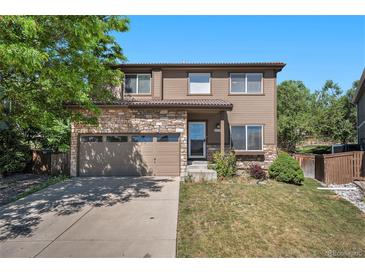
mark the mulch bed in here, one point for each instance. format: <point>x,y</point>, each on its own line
<point>13,185</point>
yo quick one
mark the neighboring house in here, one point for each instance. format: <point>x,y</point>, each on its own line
<point>169,114</point>
<point>359,100</point>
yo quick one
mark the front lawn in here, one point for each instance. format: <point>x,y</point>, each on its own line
<point>237,219</point>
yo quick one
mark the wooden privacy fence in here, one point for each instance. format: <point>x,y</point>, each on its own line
<point>307,163</point>
<point>46,162</point>
<point>359,165</point>
<point>337,168</point>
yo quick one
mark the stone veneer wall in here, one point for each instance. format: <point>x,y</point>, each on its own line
<point>122,120</point>
<point>269,156</point>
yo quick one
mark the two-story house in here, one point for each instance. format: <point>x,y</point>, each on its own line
<point>168,114</point>
<point>359,100</point>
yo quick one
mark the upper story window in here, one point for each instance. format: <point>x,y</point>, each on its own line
<point>137,83</point>
<point>247,137</point>
<point>199,83</point>
<point>242,83</point>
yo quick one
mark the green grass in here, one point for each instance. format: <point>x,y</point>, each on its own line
<point>237,219</point>
<point>318,149</point>
<point>40,186</point>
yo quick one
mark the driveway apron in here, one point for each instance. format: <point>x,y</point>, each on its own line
<point>94,217</point>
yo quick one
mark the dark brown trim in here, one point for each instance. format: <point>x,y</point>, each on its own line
<point>200,94</point>
<point>184,107</point>
<point>247,94</point>
<point>275,113</point>
<point>277,66</point>
<point>126,95</point>
<point>238,152</point>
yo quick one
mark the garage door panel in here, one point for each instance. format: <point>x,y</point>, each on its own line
<point>128,158</point>
<point>166,160</point>
<point>167,170</point>
<point>110,159</point>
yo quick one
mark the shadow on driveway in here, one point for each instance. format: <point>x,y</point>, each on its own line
<point>22,217</point>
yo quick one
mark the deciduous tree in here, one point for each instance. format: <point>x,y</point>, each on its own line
<point>46,61</point>
<point>294,115</point>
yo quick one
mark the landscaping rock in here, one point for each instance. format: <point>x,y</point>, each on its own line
<point>350,192</point>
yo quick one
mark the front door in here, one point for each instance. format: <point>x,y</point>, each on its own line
<point>197,140</point>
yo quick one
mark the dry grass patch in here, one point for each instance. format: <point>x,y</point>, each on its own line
<point>239,219</point>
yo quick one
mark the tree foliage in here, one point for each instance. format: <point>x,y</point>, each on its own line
<point>327,114</point>
<point>47,61</point>
<point>294,115</point>
<point>335,115</point>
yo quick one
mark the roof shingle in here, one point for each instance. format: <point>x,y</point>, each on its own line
<point>171,103</point>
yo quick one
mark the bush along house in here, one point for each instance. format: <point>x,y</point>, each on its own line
<point>168,116</point>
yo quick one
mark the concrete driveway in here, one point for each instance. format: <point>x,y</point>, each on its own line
<point>94,217</point>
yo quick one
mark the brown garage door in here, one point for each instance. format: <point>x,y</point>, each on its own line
<point>129,155</point>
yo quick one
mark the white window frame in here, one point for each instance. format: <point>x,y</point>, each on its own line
<point>230,83</point>
<point>245,75</point>
<point>248,125</point>
<point>137,91</point>
<point>200,93</point>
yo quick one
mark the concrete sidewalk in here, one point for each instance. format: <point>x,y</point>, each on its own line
<point>94,217</point>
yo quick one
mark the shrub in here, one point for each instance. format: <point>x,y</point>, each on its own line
<point>224,164</point>
<point>257,172</point>
<point>286,169</point>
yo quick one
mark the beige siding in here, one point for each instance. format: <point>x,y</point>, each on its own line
<point>247,109</point>
<point>157,84</point>
<point>175,84</point>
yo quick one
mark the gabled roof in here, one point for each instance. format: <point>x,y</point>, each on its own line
<point>170,103</point>
<point>278,66</point>
<point>360,89</point>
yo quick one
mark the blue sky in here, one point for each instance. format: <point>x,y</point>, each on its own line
<point>315,48</point>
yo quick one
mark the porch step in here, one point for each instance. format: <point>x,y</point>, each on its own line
<point>198,171</point>
<point>198,164</point>
<point>198,175</point>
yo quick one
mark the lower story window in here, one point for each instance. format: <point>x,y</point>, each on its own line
<point>246,137</point>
